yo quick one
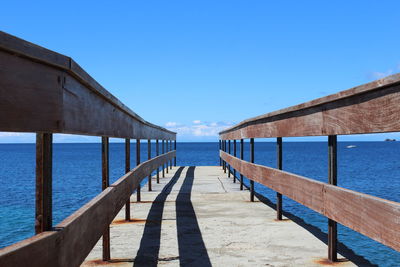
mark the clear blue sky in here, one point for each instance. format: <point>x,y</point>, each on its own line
<point>198,66</point>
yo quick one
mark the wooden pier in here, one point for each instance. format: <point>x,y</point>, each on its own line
<point>191,216</point>
<point>197,216</point>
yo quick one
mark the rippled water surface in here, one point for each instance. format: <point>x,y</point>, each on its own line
<point>370,167</point>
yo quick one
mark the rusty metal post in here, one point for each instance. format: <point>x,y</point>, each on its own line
<point>170,149</point>
<point>234,154</point>
<point>105,171</point>
<point>149,157</point>
<point>279,166</point>
<point>169,162</point>
<point>168,144</point>
<point>162,152</point>
<point>224,149</point>
<point>157,154</point>
<point>332,177</point>
<point>220,147</point>
<point>166,151</point>
<point>252,161</point>
<point>138,196</point>
<point>241,157</point>
<point>175,152</point>
<point>229,152</point>
<point>127,169</point>
<point>44,181</point>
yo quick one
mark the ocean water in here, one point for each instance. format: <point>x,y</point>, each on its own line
<point>370,167</point>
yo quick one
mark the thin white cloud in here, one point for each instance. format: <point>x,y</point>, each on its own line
<point>379,75</point>
<point>199,129</point>
<point>8,134</point>
<point>14,137</point>
<point>73,138</point>
<point>171,124</point>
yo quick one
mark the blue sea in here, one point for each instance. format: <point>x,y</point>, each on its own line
<point>370,167</point>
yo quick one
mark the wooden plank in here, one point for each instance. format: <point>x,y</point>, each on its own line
<point>43,91</point>
<point>77,234</point>
<point>75,71</point>
<point>120,191</point>
<point>372,216</point>
<point>30,96</point>
<point>21,48</point>
<point>84,112</point>
<point>39,250</point>
<point>371,111</point>
<point>32,51</point>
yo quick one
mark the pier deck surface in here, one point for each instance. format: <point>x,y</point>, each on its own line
<point>197,216</point>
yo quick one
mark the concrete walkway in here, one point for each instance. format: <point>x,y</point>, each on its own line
<point>196,216</point>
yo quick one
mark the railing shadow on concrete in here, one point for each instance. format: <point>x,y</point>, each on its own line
<point>191,247</point>
<point>369,108</point>
<point>44,92</point>
<point>148,252</point>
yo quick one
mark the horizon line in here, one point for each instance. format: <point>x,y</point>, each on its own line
<point>255,140</point>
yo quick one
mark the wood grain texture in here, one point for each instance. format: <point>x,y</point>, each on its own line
<point>43,91</point>
<point>35,52</point>
<point>39,250</point>
<point>371,216</point>
<point>375,110</point>
<point>30,96</point>
<point>76,235</point>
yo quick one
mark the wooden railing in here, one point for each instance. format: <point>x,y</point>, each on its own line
<point>369,108</point>
<point>45,92</point>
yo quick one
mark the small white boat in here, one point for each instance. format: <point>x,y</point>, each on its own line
<point>351,146</point>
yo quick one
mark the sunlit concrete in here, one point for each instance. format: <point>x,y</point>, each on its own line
<point>218,226</point>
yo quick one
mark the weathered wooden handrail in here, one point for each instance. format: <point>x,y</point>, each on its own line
<point>374,217</point>
<point>369,108</point>
<point>44,92</point>
<point>72,239</point>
